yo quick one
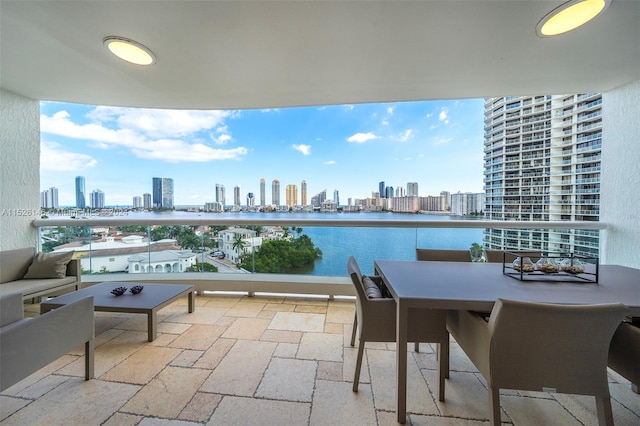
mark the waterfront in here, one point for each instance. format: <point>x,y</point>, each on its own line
<point>365,243</point>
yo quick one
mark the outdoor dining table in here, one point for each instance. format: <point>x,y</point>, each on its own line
<point>476,286</point>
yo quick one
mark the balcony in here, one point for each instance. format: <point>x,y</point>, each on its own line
<point>267,360</point>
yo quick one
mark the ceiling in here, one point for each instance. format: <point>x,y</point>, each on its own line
<point>262,54</point>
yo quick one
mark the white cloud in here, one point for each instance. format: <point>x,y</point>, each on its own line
<point>444,115</point>
<point>223,139</point>
<point>52,157</point>
<point>441,141</point>
<point>142,143</point>
<point>304,149</point>
<point>408,134</point>
<point>349,107</point>
<point>330,163</point>
<point>362,137</point>
<point>159,123</point>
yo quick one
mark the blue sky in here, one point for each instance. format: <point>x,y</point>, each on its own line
<point>351,148</point>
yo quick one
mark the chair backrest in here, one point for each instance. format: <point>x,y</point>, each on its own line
<point>496,256</point>
<point>443,255</point>
<point>376,317</point>
<point>560,348</point>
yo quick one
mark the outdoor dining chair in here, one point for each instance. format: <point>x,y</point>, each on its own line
<point>375,321</point>
<point>541,347</point>
<point>443,255</point>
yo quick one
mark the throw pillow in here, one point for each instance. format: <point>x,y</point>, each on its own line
<point>371,289</point>
<point>377,281</point>
<point>49,265</point>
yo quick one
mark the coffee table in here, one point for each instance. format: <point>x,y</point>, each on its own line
<point>153,298</point>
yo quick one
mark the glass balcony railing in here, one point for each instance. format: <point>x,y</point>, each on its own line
<point>212,249</point>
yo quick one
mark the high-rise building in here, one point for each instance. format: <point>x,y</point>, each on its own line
<point>467,203</point>
<point>291,193</point>
<point>146,200</point>
<point>162,192</point>
<point>303,193</point>
<point>263,200</point>
<point>49,198</point>
<point>220,197</point>
<point>275,192</point>
<point>250,200</point>
<point>137,202</point>
<point>81,202</point>
<point>97,199</point>
<point>381,189</point>
<point>388,192</point>
<point>319,198</point>
<point>542,162</point>
<point>412,189</point>
<point>167,193</point>
<point>336,197</point>
<point>400,192</point>
<point>236,195</point>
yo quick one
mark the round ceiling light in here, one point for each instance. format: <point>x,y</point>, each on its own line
<point>129,50</point>
<point>569,16</point>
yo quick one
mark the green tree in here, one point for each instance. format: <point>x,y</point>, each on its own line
<point>238,243</point>
<point>282,256</point>
<point>476,252</point>
<point>204,267</point>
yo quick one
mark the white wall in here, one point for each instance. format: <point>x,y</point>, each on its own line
<point>620,179</point>
<point>19,170</point>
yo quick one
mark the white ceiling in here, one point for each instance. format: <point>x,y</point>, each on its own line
<point>241,54</point>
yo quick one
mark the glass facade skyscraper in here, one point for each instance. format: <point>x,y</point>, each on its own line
<point>81,201</point>
<point>275,192</point>
<point>262,193</point>
<point>162,192</point>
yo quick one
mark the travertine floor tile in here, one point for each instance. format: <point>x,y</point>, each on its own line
<point>200,408</point>
<point>349,365</point>
<point>166,395</point>
<point>187,358</point>
<point>282,336</point>
<point>340,314</point>
<point>258,412</point>
<point>240,371</point>
<point>320,347</point>
<point>221,301</point>
<point>10,404</point>
<point>312,309</point>
<point>212,356</point>
<point>382,370</point>
<point>418,420</point>
<point>23,387</point>
<point>121,419</point>
<point>333,328</point>
<point>202,315</point>
<point>199,337</point>
<point>296,321</point>
<point>335,403</point>
<point>279,307</point>
<point>246,328</point>
<point>153,421</point>
<point>330,370</point>
<point>583,408</point>
<point>286,350</point>
<point>245,309</point>
<point>534,411</point>
<point>288,380</point>
<point>109,354</point>
<point>142,366</point>
<point>75,402</point>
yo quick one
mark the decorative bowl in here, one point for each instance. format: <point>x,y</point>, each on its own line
<point>118,291</point>
<point>136,289</point>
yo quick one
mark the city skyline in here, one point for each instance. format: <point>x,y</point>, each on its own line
<point>348,148</point>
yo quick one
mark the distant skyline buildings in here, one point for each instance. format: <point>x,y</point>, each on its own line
<point>275,192</point>
<point>220,196</point>
<point>262,193</point>
<point>49,198</point>
<point>97,199</point>
<point>303,192</point>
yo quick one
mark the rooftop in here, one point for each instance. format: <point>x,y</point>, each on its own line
<point>268,360</point>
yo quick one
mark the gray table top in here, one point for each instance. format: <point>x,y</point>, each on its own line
<point>152,296</point>
<point>476,286</point>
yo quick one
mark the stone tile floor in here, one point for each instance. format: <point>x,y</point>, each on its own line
<point>268,361</point>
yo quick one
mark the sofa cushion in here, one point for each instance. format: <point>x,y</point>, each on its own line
<point>49,265</point>
<point>14,263</point>
<point>371,289</point>
<point>29,287</point>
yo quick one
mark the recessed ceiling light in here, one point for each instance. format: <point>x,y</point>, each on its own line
<point>569,16</point>
<point>129,50</point>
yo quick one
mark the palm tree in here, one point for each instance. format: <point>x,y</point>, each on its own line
<point>238,244</point>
